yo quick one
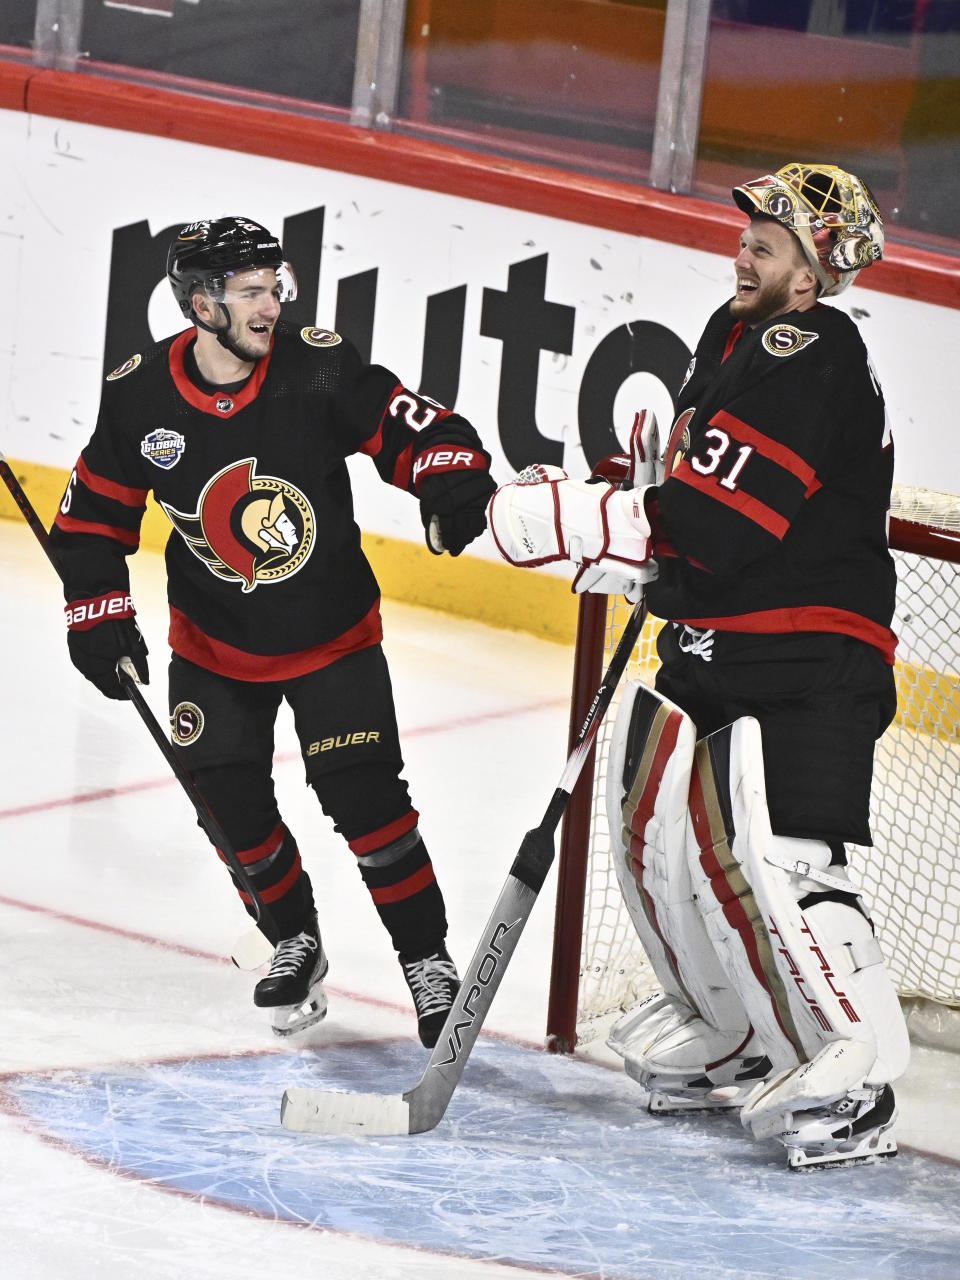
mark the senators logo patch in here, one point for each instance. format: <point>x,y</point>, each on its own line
<point>678,446</point>
<point>122,370</point>
<point>778,203</point>
<point>247,528</point>
<point>320,337</point>
<point>186,724</point>
<point>786,340</point>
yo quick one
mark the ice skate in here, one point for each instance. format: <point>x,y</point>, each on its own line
<point>293,987</point>
<point>856,1130</point>
<point>683,1063</point>
<point>434,984</point>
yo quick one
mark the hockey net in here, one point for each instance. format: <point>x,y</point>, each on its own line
<point>910,877</point>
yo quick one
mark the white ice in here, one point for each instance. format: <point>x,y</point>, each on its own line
<point>115,923</point>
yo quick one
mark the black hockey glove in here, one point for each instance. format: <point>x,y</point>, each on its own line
<point>102,630</point>
<point>451,477</point>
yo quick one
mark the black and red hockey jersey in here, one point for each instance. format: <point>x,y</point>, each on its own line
<point>266,578</point>
<point>772,516</point>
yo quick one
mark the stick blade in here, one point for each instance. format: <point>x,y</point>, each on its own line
<point>360,1114</point>
<point>251,950</point>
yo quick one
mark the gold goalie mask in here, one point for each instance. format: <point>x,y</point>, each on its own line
<point>832,213</point>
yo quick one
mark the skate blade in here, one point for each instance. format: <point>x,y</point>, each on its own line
<point>800,1161</point>
<point>289,1019</point>
<point>670,1104</point>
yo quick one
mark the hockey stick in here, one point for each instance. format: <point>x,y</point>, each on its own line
<point>423,1106</point>
<point>127,676</point>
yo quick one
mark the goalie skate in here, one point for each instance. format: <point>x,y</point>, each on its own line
<point>682,1062</point>
<point>856,1130</point>
<point>821,1117</point>
<point>293,987</point>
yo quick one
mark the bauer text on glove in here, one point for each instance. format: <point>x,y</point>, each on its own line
<point>451,477</point>
<point>102,630</point>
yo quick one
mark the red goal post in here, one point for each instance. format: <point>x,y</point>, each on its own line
<point>911,876</point>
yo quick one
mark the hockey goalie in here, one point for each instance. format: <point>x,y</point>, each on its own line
<point>735,784</point>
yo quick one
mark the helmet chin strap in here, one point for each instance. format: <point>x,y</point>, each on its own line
<point>221,334</point>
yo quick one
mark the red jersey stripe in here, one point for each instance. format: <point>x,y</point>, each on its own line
<point>805,617</point>
<point>733,337</point>
<point>186,639</point>
<point>109,489</point>
<point>736,499</point>
<point>772,449</point>
<point>69,524</point>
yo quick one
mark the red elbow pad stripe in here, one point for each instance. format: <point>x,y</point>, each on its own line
<point>83,614</point>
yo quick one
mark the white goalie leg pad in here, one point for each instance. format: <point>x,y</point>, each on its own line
<point>806,964</point>
<point>543,516</point>
<point>694,1035</point>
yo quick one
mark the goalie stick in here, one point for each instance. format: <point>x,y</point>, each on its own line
<point>422,1107</point>
<point>131,686</point>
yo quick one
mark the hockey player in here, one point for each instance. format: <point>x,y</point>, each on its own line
<point>734,786</point>
<point>241,426</point>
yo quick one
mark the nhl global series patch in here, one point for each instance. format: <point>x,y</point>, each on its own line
<point>163,448</point>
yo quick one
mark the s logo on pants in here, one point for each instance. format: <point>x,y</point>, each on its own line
<point>186,724</point>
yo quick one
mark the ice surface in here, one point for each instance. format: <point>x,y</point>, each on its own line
<point>540,1161</point>
<point>140,1088</point>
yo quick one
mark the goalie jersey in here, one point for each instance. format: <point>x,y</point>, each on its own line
<point>265,572</point>
<point>772,516</point>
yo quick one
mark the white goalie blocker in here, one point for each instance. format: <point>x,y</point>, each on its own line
<point>772,979</point>
<point>543,517</point>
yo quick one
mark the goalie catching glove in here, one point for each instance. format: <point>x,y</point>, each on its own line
<point>543,516</point>
<point>451,477</point>
<point>101,631</point>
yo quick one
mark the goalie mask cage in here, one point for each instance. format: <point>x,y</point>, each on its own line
<point>910,878</point>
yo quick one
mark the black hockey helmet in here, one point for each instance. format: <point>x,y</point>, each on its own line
<point>205,253</point>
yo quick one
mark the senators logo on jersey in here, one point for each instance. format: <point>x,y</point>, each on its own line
<point>678,446</point>
<point>786,339</point>
<point>248,528</point>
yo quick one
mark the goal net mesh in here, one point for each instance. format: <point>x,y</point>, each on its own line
<point>911,876</point>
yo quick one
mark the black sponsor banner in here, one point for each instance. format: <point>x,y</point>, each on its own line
<point>520,317</point>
